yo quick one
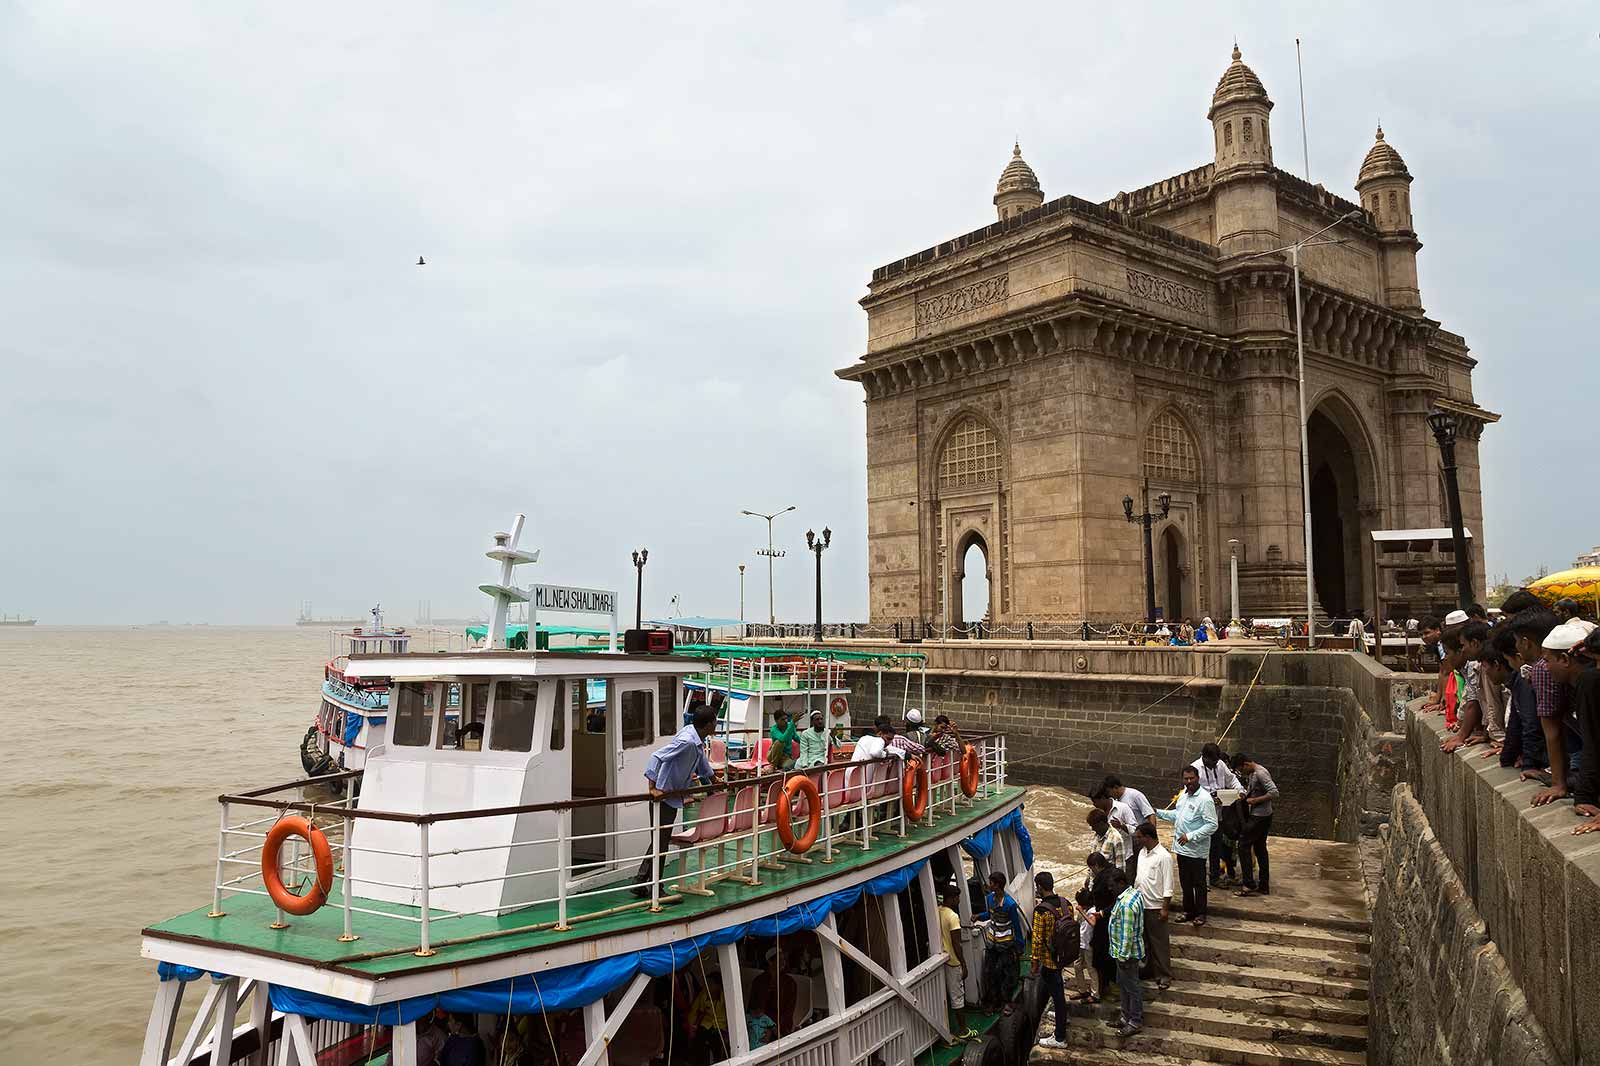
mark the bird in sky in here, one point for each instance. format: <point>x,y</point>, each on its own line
<point>421,261</point>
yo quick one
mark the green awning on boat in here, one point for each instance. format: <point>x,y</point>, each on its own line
<point>517,634</point>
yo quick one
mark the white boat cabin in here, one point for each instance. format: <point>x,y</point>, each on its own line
<point>528,733</point>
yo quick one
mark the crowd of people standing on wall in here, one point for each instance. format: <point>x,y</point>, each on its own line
<point>1527,690</point>
<point>1114,928</point>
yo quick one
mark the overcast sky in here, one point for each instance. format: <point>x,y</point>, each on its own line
<point>225,386</point>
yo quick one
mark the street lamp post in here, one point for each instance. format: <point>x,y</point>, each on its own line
<point>1305,448</point>
<point>640,557</point>
<point>1233,580</point>
<point>818,545</point>
<point>1445,426</point>
<point>772,617</point>
<point>1147,520</point>
<point>741,593</point>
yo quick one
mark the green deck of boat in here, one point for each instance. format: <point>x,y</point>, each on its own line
<point>314,939</point>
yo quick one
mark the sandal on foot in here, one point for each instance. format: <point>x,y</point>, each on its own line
<point>1242,893</point>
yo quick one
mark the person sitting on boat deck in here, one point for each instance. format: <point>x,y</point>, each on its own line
<point>946,738</point>
<point>871,746</point>
<point>463,1047</point>
<point>780,756</point>
<point>778,993</point>
<point>1004,935</point>
<point>674,766</point>
<point>916,728</point>
<point>706,1024</point>
<point>815,743</point>
<point>760,1026</point>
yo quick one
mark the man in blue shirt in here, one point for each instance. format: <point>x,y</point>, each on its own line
<point>674,766</point>
<point>1194,820</point>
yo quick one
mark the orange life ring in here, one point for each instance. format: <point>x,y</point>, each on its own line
<point>969,771</point>
<point>914,799</point>
<point>838,705</point>
<point>802,784</point>
<point>283,829</point>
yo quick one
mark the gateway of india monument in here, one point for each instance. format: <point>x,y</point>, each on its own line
<point>1021,379</point>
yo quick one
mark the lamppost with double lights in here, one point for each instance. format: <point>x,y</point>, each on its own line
<point>1147,520</point>
<point>1309,241</point>
<point>818,545</point>
<point>640,557</point>
<point>772,617</point>
<point>1445,426</point>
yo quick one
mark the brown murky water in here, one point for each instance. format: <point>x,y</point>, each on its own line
<point>110,820</point>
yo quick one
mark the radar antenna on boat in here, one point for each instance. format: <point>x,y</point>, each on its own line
<point>505,593</point>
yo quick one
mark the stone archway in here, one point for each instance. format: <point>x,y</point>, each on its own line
<point>1344,489</point>
<point>1170,593</point>
<point>974,594</point>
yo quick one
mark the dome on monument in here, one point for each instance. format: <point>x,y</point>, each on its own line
<point>1382,161</point>
<point>1018,176</point>
<point>1238,82</point>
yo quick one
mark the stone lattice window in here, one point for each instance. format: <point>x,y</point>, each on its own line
<point>1227,134</point>
<point>1169,451</point>
<point>971,456</point>
<point>1248,131</point>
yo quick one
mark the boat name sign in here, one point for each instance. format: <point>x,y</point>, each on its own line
<point>569,598</point>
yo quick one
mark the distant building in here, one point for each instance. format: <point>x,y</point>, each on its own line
<point>1022,378</point>
<point>1590,557</point>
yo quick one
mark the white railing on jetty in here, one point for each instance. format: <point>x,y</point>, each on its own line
<point>861,804</point>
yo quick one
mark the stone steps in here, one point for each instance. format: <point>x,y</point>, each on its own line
<point>1222,903</point>
<point>1190,1047</point>
<point>1264,1001</point>
<point>1273,934</point>
<point>1266,978</point>
<point>1348,965</point>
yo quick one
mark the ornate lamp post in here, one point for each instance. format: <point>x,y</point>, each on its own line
<point>1147,520</point>
<point>818,545</point>
<point>640,557</point>
<point>772,617</point>
<point>1445,426</point>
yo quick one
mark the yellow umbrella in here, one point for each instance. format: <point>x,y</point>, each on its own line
<point>1581,584</point>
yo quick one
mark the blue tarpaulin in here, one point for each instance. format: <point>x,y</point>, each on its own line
<point>352,727</point>
<point>979,844</point>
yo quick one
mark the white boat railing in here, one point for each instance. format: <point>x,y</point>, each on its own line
<point>861,808</point>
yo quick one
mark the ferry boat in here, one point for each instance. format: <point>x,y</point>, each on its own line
<point>354,710</point>
<point>510,886</point>
<point>17,620</point>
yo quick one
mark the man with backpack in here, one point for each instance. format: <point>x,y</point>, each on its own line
<point>1054,947</point>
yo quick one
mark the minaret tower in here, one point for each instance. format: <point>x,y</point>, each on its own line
<point>1385,187</point>
<point>1246,197</point>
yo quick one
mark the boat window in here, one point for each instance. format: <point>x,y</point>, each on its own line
<point>594,702</point>
<point>913,924</point>
<point>466,730</point>
<point>561,711</point>
<point>514,703</point>
<point>413,705</point>
<point>638,710</point>
<point>667,704</point>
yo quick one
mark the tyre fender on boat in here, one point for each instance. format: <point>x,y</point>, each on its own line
<point>282,830</point>
<point>985,1052</point>
<point>803,785</point>
<point>914,790</point>
<point>969,771</point>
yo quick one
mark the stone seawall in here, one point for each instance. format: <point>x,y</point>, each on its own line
<point>1072,714</point>
<point>1517,910</point>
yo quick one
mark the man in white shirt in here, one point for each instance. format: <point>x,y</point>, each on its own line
<point>1120,816</point>
<point>1154,882</point>
<point>1132,798</point>
<point>1216,774</point>
<point>872,746</point>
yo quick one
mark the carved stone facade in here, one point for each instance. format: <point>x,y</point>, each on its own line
<point>1022,378</point>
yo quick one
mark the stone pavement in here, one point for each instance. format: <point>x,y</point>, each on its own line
<point>1276,980</point>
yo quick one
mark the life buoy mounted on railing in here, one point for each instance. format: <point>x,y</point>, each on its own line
<point>969,771</point>
<point>803,785</point>
<point>838,705</point>
<point>283,829</point>
<point>914,790</point>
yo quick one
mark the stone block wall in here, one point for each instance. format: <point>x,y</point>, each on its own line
<point>1533,888</point>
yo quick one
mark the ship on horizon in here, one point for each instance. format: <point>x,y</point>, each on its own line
<point>17,620</point>
<point>307,619</point>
